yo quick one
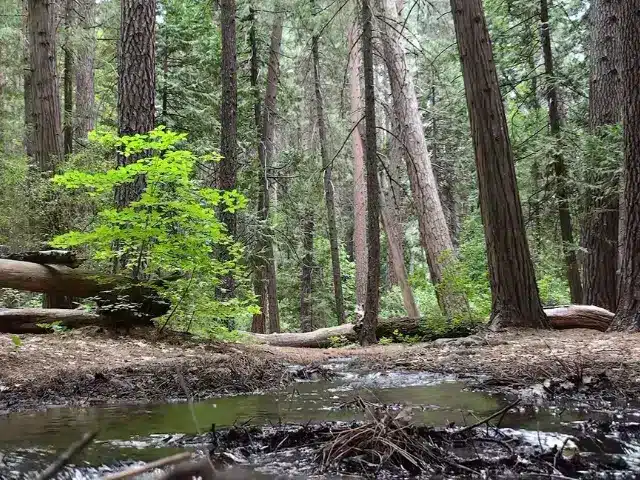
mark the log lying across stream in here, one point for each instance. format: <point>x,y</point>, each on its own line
<point>572,316</point>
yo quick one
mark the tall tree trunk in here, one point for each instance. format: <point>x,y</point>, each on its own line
<point>328,187</point>
<point>396,250</point>
<point>434,231</point>
<point>46,98</point>
<point>85,113</point>
<point>228,119</point>
<point>258,324</point>
<point>136,82</point>
<point>306,276</point>
<point>359,183</point>
<point>372,303</point>
<point>516,301</point>
<point>560,168</point>
<point>29,134</point>
<point>600,240</point>
<point>267,270</point>
<point>628,313</point>
<point>68,78</point>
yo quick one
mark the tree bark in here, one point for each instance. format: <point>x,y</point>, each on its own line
<point>359,183</point>
<point>367,334</point>
<point>306,276</point>
<point>29,134</point>
<point>136,83</point>
<point>435,237</point>
<point>35,320</point>
<point>515,298</point>
<point>328,186</point>
<point>600,239</point>
<point>46,98</point>
<point>560,168</point>
<point>396,251</point>
<point>561,318</point>
<point>85,113</point>
<point>628,312</point>
<point>266,273</point>
<point>68,78</point>
<point>228,121</point>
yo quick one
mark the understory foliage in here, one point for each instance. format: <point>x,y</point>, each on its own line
<point>171,231</point>
<point>174,229</point>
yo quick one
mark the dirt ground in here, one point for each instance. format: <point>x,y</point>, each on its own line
<point>88,367</point>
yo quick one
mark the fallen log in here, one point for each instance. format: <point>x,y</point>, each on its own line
<point>55,279</point>
<point>579,316</point>
<point>47,257</point>
<point>39,320</point>
<point>116,295</point>
<point>572,316</point>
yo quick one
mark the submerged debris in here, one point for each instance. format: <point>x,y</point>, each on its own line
<point>389,445</point>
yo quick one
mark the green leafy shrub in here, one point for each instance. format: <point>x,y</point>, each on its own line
<point>173,227</point>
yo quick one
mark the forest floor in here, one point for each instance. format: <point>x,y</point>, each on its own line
<point>86,367</point>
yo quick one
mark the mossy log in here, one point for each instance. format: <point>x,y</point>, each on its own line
<point>572,316</point>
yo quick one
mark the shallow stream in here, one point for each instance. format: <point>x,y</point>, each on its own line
<point>128,434</point>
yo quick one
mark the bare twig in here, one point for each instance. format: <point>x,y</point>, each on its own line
<point>163,462</point>
<point>489,418</point>
<point>53,469</point>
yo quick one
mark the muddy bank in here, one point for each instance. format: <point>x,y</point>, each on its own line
<point>88,367</point>
<point>80,369</point>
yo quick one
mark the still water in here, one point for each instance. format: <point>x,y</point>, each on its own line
<point>28,441</point>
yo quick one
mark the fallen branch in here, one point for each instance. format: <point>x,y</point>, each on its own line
<point>53,469</point>
<point>135,471</point>
<point>490,417</point>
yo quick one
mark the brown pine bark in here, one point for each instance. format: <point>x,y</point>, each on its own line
<point>68,78</point>
<point>306,275</point>
<point>85,113</point>
<point>328,186</point>
<point>516,301</point>
<point>600,239</point>
<point>136,82</point>
<point>266,271</point>
<point>396,250</point>
<point>434,231</point>
<point>628,312</point>
<point>228,119</point>
<point>359,183</point>
<point>367,333</point>
<point>27,80</point>
<point>559,165</point>
<point>47,128</point>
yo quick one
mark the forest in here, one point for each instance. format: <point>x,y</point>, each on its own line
<point>256,176</point>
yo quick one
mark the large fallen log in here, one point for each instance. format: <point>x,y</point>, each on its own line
<point>55,279</point>
<point>572,316</point>
<point>40,320</point>
<point>579,316</point>
<point>116,295</point>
